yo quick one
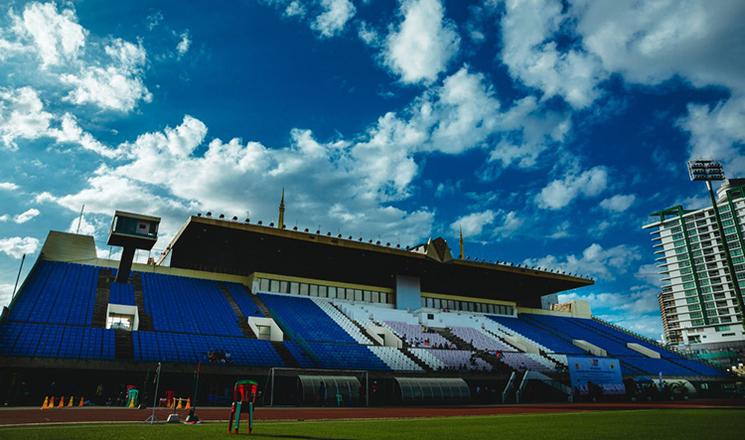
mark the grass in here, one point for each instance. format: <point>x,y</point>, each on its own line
<point>627,425</point>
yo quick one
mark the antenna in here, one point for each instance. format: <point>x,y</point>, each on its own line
<point>80,219</point>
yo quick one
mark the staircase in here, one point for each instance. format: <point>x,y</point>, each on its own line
<point>124,346</point>
<point>287,357</point>
<point>283,352</point>
<point>242,319</point>
<point>260,304</point>
<point>105,277</point>
<point>460,344</point>
<point>146,322</point>
<point>423,365</point>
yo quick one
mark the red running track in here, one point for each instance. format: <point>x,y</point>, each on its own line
<point>20,416</point>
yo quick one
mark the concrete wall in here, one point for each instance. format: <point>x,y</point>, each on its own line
<point>408,293</point>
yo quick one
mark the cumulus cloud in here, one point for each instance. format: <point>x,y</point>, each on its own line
<point>561,192</point>
<point>26,216</point>
<point>650,274</point>
<point>324,182</point>
<point>107,74</point>
<point>649,42</point>
<point>8,186</point>
<point>115,86</point>
<point>423,44</point>
<point>56,35</point>
<point>511,223</point>
<point>595,260</point>
<point>717,133</point>
<point>6,291</point>
<point>22,116</point>
<point>16,247</point>
<point>532,54</point>
<point>81,225</point>
<point>473,224</point>
<point>618,203</point>
<point>184,44</point>
<point>335,15</point>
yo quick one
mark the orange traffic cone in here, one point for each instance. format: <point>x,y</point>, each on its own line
<point>61,402</point>
<point>51,403</point>
<point>45,405</point>
<point>188,403</point>
<point>69,404</point>
<point>81,401</point>
<point>179,406</point>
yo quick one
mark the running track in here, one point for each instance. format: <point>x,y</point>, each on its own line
<point>19,416</point>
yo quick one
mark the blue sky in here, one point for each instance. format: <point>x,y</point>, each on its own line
<point>548,130</point>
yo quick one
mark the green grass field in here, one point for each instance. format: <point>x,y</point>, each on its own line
<point>627,425</point>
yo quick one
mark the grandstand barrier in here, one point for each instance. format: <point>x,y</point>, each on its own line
<point>590,348</point>
<point>643,350</point>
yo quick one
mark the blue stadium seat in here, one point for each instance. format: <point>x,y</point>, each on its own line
<point>122,294</point>
<point>305,319</point>
<point>180,304</point>
<point>543,337</point>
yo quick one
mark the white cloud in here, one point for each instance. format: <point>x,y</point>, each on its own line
<point>4,218</point>
<point>71,132</point>
<point>335,15</point>
<point>533,57</point>
<point>22,116</point>
<point>368,34</point>
<point>44,197</point>
<point>6,291</point>
<point>57,36</point>
<point>511,223</point>
<point>115,86</point>
<point>561,231</point>
<point>325,183</point>
<point>8,186</point>
<point>294,9</point>
<point>18,246</point>
<point>649,42</point>
<point>649,273</point>
<point>107,73</point>
<point>717,133</point>
<point>423,44</point>
<point>473,224</point>
<point>595,260</point>
<point>81,225</point>
<point>184,44</point>
<point>26,215</point>
<point>560,192</point>
<point>618,203</point>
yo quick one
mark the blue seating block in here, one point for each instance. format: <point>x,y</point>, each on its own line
<point>122,294</point>
<point>305,319</point>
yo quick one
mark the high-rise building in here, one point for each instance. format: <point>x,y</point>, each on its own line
<point>699,309</point>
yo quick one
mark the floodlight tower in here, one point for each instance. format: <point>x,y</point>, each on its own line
<point>709,171</point>
<point>132,232</point>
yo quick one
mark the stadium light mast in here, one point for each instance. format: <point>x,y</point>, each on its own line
<point>709,171</point>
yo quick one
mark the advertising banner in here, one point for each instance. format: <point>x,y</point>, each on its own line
<point>603,374</point>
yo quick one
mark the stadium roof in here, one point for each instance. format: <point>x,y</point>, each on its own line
<point>240,248</point>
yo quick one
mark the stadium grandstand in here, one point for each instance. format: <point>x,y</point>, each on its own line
<point>313,318</point>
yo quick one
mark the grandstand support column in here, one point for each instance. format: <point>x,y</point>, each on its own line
<point>125,265</point>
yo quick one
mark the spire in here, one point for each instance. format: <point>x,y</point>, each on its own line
<point>462,252</point>
<point>281,222</point>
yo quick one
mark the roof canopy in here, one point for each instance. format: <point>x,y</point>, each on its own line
<point>239,248</point>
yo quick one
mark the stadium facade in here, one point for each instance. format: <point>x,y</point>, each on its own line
<point>699,308</point>
<point>294,308</point>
